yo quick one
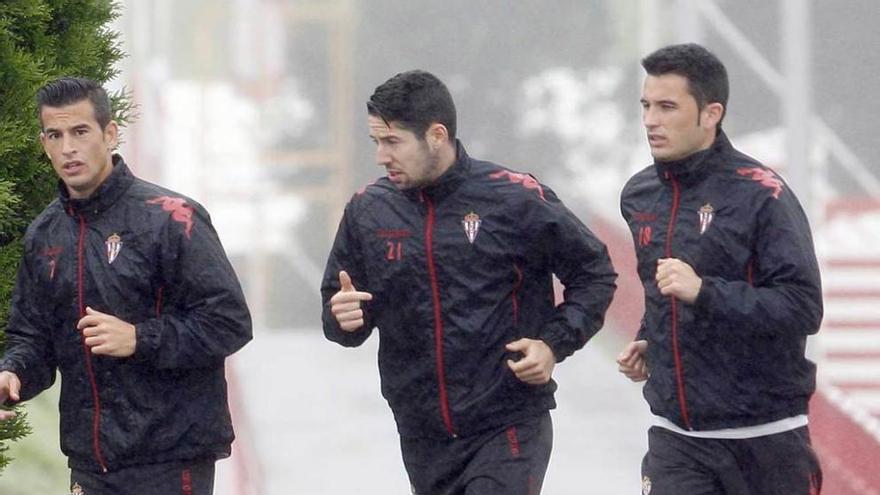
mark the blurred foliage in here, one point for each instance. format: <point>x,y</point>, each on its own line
<point>40,40</point>
<point>37,467</point>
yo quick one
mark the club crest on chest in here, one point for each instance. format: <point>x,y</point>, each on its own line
<point>707,213</point>
<point>113,246</point>
<point>471,224</point>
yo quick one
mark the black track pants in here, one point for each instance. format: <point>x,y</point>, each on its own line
<point>779,464</point>
<point>174,478</point>
<point>507,461</point>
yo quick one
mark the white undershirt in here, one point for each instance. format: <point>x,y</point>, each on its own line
<point>740,433</point>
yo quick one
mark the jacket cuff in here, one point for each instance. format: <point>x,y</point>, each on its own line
<point>703,302</point>
<point>146,341</point>
<point>557,344</point>
<point>335,333</point>
<point>7,365</point>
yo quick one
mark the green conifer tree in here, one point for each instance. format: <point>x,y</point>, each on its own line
<point>40,40</point>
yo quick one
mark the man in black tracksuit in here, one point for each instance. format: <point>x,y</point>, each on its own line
<point>451,258</point>
<point>732,290</point>
<point>125,288</point>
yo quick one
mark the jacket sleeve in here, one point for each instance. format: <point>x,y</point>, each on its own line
<point>581,263</point>
<point>28,348</point>
<point>203,317</point>
<point>346,254</point>
<point>642,332</point>
<point>785,294</point>
<point>625,210</point>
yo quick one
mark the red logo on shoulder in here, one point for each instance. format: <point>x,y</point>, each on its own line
<point>363,189</point>
<point>180,211</point>
<point>765,177</point>
<point>526,180</point>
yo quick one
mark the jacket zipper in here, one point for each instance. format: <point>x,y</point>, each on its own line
<point>514,293</point>
<point>96,418</point>
<point>676,352</point>
<point>159,293</point>
<point>438,320</point>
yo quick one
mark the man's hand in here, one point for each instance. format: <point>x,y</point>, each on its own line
<point>10,386</point>
<point>536,365</point>
<point>677,278</point>
<point>107,335</point>
<point>346,304</point>
<point>632,361</point>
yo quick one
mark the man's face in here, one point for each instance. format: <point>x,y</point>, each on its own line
<point>80,151</point>
<point>408,160</point>
<point>675,126</point>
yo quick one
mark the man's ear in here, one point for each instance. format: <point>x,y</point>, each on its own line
<point>436,135</point>
<point>111,135</point>
<point>712,114</point>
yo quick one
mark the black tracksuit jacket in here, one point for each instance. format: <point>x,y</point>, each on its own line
<point>736,356</point>
<point>150,257</point>
<point>445,307</point>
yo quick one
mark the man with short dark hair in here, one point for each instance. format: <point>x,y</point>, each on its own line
<point>452,260</point>
<point>125,289</point>
<point>732,290</point>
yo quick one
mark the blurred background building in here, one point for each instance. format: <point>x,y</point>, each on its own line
<point>256,108</point>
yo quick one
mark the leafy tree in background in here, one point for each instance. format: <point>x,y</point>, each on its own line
<point>40,40</point>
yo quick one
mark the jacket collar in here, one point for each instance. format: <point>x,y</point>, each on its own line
<point>449,181</point>
<point>693,168</point>
<point>113,187</point>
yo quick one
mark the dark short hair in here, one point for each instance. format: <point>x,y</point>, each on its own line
<point>414,100</point>
<point>705,74</point>
<point>69,90</point>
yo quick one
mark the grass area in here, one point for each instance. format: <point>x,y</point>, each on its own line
<point>38,466</point>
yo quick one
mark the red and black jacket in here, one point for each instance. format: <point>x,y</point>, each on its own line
<point>149,257</point>
<point>459,269</point>
<point>736,356</point>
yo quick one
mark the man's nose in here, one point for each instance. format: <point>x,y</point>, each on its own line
<point>67,145</point>
<point>383,157</point>
<point>649,118</point>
